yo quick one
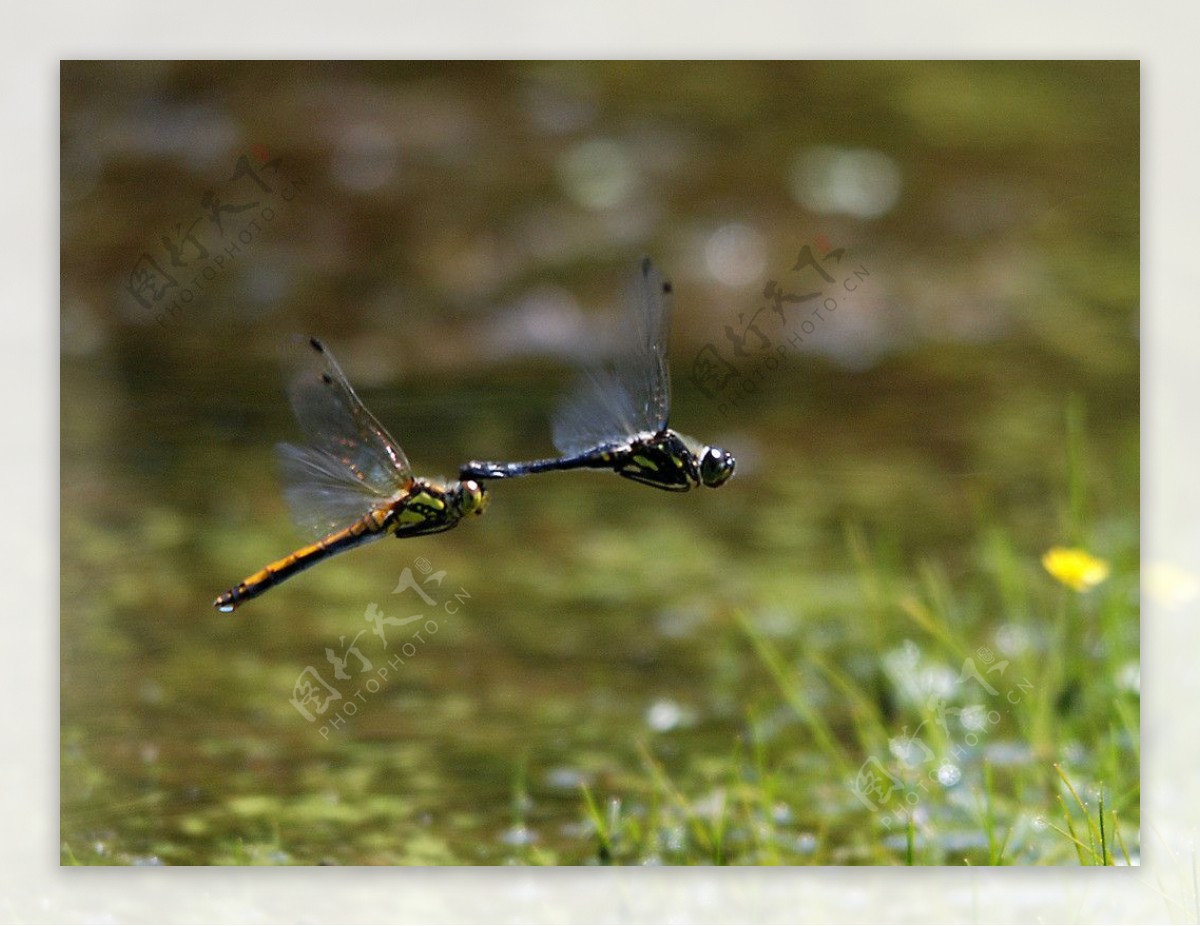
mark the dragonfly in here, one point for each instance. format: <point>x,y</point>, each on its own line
<point>351,483</point>
<point>616,418</point>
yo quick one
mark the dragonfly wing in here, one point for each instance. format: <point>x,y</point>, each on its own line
<point>335,421</point>
<point>598,412</point>
<point>322,495</point>
<point>645,370</point>
<point>352,462</point>
<point>632,395</point>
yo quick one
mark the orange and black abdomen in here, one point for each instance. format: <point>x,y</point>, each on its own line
<point>366,529</point>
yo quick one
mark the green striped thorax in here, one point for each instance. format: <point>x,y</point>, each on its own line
<point>429,508</point>
<point>671,461</point>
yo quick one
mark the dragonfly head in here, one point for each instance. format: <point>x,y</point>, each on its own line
<point>472,497</point>
<point>716,466</point>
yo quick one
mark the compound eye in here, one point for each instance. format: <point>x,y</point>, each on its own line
<point>716,466</point>
<point>474,496</point>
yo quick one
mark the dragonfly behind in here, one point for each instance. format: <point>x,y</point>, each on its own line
<point>617,418</point>
<point>351,483</point>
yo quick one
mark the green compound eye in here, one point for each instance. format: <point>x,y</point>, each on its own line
<point>474,497</point>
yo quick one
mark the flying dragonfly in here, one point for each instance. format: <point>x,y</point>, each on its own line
<point>617,417</point>
<point>351,483</point>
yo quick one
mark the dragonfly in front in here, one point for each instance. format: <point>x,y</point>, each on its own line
<point>617,417</point>
<point>351,483</point>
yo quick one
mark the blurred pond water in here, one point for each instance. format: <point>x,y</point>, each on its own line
<point>460,235</point>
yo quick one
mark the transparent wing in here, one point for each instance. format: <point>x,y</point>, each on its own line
<point>351,463</point>
<point>645,367</point>
<point>599,411</point>
<point>633,393</point>
<point>322,495</point>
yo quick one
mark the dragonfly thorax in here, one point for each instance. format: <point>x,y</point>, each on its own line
<point>668,460</point>
<point>661,460</point>
<point>428,508</point>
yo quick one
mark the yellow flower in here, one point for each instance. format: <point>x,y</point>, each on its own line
<point>1075,568</point>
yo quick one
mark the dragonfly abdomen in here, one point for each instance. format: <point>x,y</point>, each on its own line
<point>366,528</point>
<point>479,470</point>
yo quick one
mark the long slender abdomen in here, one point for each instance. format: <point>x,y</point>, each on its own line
<point>480,470</point>
<point>362,531</point>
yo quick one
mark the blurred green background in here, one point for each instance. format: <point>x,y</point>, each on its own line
<point>630,675</point>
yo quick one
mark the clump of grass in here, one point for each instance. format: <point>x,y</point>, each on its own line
<point>937,731</point>
<point>1100,836</point>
